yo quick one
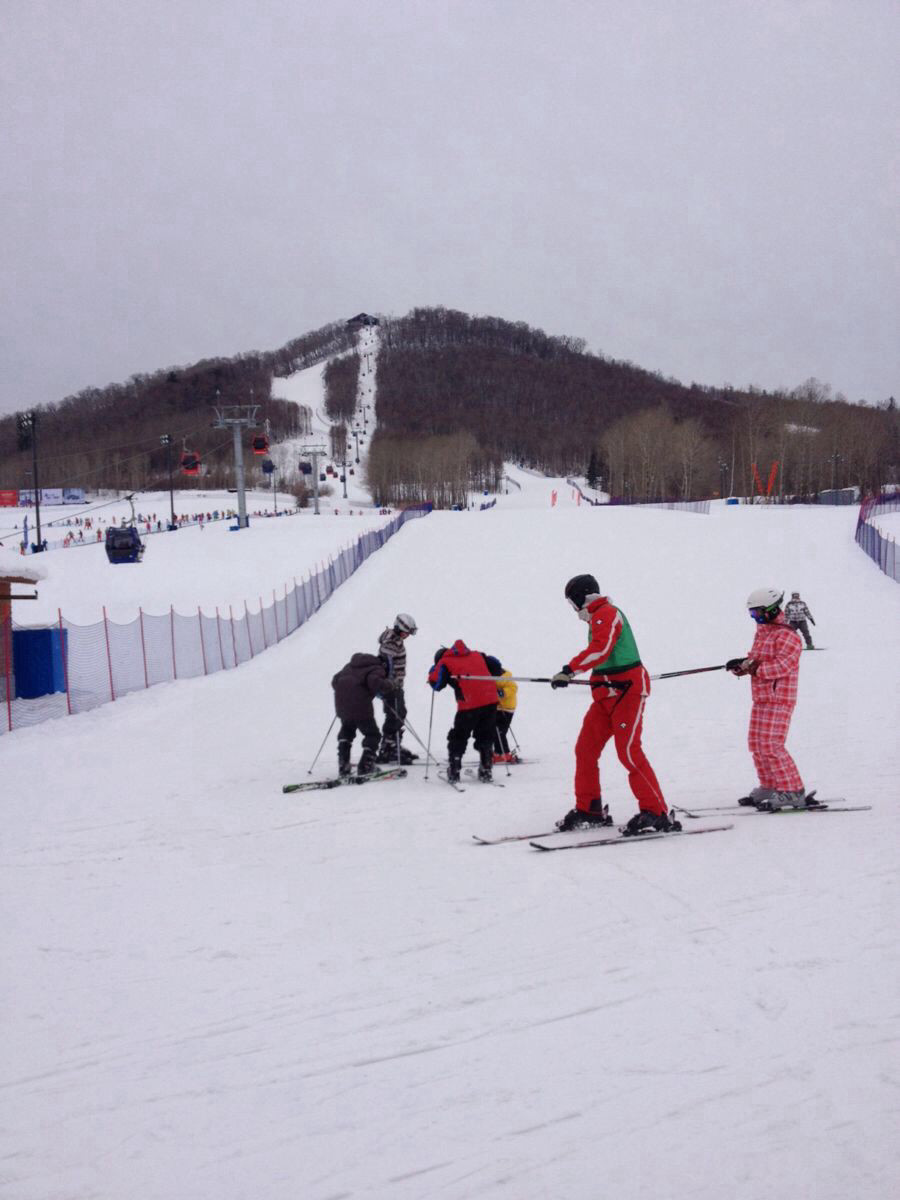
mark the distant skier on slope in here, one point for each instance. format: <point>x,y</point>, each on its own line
<point>620,686</point>
<point>773,665</point>
<point>355,686</point>
<point>476,704</point>
<point>392,648</point>
<point>797,615</point>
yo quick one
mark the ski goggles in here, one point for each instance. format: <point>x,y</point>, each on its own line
<point>761,615</point>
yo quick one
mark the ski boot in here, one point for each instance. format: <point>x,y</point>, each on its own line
<point>391,752</point>
<point>485,772</point>
<point>648,822</point>
<point>578,818</point>
<point>756,797</point>
<point>454,766</point>
<point>779,800</point>
<point>366,764</point>
<point>343,759</point>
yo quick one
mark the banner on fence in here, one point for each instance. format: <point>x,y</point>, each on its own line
<point>9,497</point>
<point>52,496</point>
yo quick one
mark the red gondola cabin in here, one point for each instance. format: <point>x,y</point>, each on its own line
<point>260,444</point>
<point>190,463</point>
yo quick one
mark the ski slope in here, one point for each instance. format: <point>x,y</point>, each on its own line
<point>218,992</point>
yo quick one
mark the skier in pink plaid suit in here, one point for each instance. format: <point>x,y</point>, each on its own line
<point>773,665</point>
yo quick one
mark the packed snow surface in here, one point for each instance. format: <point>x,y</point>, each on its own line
<point>214,991</point>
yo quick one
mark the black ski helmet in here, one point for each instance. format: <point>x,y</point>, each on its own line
<point>579,588</point>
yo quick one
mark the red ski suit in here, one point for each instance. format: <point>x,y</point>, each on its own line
<point>778,649</point>
<point>618,696</point>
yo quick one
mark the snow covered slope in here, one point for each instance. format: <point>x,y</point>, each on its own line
<point>217,991</point>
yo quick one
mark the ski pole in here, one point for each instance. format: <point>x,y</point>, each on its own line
<point>690,671</point>
<point>410,729</point>
<point>322,747</point>
<point>428,747</point>
<point>588,682</point>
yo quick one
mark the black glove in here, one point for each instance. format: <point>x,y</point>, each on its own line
<point>561,678</point>
<point>742,666</point>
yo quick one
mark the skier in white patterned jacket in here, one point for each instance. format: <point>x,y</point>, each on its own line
<point>796,613</point>
<point>392,647</point>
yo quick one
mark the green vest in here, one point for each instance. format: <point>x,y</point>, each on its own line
<point>624,654</point>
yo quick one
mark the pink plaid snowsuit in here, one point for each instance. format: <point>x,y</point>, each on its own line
<point>777,648</point>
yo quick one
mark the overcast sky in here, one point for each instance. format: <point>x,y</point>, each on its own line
<point>707,188</point>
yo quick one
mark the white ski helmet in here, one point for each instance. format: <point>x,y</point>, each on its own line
<point>766,598</point>
<point>404,623</point>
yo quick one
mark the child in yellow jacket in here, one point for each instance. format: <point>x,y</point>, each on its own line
<point>507,691</point>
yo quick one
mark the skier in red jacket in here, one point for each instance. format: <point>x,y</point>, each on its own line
<point>476,704</point>
<point>773,665</point>
<point>620,686</point>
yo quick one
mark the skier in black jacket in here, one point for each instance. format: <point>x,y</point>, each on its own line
<point>355,686</point>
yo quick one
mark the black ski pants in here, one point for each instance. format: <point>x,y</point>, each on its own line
<point>479,723</point>
<point>368,727</point>
<point>504,720</point>
<point>803,627</point>
<point>394,716</point>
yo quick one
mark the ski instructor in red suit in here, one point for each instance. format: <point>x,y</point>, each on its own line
<point>620,686</point>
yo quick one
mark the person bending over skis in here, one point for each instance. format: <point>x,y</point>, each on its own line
<point>476,704</point>
<point>357,683</point>
<point>620,686</point>
<point>773,665</point>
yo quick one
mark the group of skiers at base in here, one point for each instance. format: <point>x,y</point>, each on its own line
<point>620,686</point>
<point>484,708</point>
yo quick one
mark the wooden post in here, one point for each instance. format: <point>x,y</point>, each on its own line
<point>233,639</point>
<point>112,690</point>
<point>64,653</point>
<point>172,628</point>
<point>143,648</point>
<point>202,646</point>
<point>219,632</point>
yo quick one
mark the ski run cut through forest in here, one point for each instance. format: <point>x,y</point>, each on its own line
<point>216,990</point>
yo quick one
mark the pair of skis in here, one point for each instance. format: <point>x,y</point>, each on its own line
<point>613,838</point>
<point>616,839</point>
<point>318,785</point>
<point>833,804</point>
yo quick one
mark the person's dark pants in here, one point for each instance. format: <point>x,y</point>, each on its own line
<point>803,627</point>
<point>394,716</point>
<point>504,720</point>
<point>479,723</point>
<point>368,727</point>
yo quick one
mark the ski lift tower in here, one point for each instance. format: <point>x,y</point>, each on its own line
<point>237,417</point>
<point>315,453</point>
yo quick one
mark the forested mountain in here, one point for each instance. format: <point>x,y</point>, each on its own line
<point>456,396</point>
<point>110,437</point>
<point>545,402</point>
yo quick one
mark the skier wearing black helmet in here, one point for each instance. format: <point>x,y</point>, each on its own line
<point>392,648</point>
<point>620,686</point>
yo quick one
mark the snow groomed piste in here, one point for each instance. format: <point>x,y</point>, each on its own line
<point>219,989</point>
